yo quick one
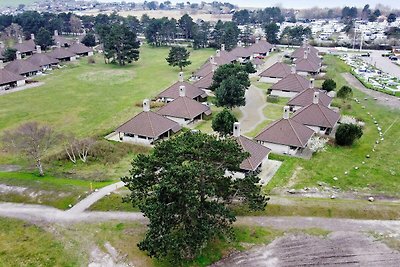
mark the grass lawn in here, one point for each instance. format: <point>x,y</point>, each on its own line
<point>22,244</point>
<point>48,190</point>
<point>380,173</point>
<point>114,202</point>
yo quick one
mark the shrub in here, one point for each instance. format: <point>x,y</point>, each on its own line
<point>91,60</point>
<point>345,92</point>
<point>112,152</point>
<point>223,122</point>
<point>329,85</point>
<point>272,99</point>
<point>346,134</point>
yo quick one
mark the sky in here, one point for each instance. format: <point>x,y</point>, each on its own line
<point>292,3</point>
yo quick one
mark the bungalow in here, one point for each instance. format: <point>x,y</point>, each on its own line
<point>317,117</point>
<point>299,52</point>
<point>257,62</point>
<point>64,42</point>
<point>80,49</point>
<point>22,67</point>
<point>43,60</point>
<point>205,82</point>
<point>285,136</point>
<point>261,48</point>
<point>289,86</point>
<point>9,79</point>
<point>242,54</point>
<point>184,110</point>
<point>172,92</point>
<point>306,97</point>
<point>62,54</point>
<point>308,65</point>
<point>25,47</point>
<point>396,50</point>
<point>258,153</point>
<point>224,57</point>
<point>147,127</point>
<point>275,73</point>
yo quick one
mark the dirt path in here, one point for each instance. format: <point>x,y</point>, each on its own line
<point>381,98</point>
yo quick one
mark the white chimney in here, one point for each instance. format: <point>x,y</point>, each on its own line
<point>2,45</point>
<point>223,47</point>
<point>1,64</point>
<point>257,40</point>
<point>239,44</point>
<point>18,54</point>
<point>218,53</point>
<point>293,69</point>
<point>236,129</point>
<point>316,98</point>
<point>55,33</point>
<point>213,67</point>
<point>212,61</point>
<point>286,112</point>
<point>38,49</point>
<point>146,105</point>
<point>308,49</point>
<point>182,91</point>
<point>58,45</point>
<point>19,39</point>
<point>305,54</point>
<point>78,41</point>
<point>32,36</point>
<point>312,83</point>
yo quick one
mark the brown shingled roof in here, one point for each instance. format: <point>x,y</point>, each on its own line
<point>205,82</point>
<point>257,61</point>
<point>241,51</point>
<point>150,124</point>
<point>20,66</point>
<point>61,53</point>
<point>257,153</point>
<point>26,46</point>
<point>307,65</point>
<point>306,97</point>
<point>184,107</point>
<point>261,47</point>
<point>62,40</point>
<point>41,60</point>
<point>7,77</point>
<point>317,115</point>
<point>79,49</point>
<point>205,69</point>
<point>292,83</point>
<point>191,91</point>
<point>286,132</point>
<point>278,70</point>
<point>299,52</point>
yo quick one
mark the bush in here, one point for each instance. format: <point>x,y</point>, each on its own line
<point>346,134</point>
<point>329,85</point>
<point>223,122</point>
<point>345,92</point>
<point>272,99</point>
<point>91,60</point>
<point>111,152</point>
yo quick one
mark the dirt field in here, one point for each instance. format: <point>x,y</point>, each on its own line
<point>337,249</point>
<point>177,14</point>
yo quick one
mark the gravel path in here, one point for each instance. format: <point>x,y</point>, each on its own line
<point>383,99</point>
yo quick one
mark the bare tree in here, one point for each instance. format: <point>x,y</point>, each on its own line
<point>69,147</point>
<point>31,140</point>
<point>76,24</point>
<point>77,148</point>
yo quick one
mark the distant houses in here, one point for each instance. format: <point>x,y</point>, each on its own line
<point>22,67</point>
<point>9,79</point>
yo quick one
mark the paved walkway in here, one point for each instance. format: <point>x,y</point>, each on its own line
<point>21,88</point>
<point>381,98</point>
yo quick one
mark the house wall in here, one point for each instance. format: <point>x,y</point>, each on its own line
<point>283,94</point>
<point>269,80</point>
<point>21,83</point>
<point>181,121</point>
<point>90,53</point>
<point>73,58</point>
<point>136,139</point>
<point>278,148</point>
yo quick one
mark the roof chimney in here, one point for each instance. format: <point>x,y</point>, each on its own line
<point>218,53</point>
<point>2,45</point>
<point>212,61</point>
<point>213,67</point>
<point>1,64</point>
<point>286,112</point>
<point>312,83</point>
<point>316,98</point>
<point>38,49</point>
<point>182,91</point>
<point>239,44</point>
<point>32,36</point>
<point>146,105</point>
<point>55,33</point>
<point>293,69</point>
<point>308,49</point>
<point>180,77</point>
<point>257,40</point>
<point>305,54</point>
<point>236,129</point>
<point>78,41</point>
<point>18,54</point>
<point>20,39</point>
<point>222,47</point>
<point>58,45</point>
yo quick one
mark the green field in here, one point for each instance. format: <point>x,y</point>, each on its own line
<point>380,173</point>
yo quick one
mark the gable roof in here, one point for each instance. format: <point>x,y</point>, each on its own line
<point>277,70</point>
<point>61,53</point>
<point>317,115</point>
<point>184,107</point>
<point>190,90</point>
<point>9,77</point>
<point>240,51</point>
<point>20,66</point>
<point>306,97</point>
<point>299,52</point>
<point>25,46</point>
<point>257,61</point>
<point>205,82</point>
<point>260,47</point>
<point>307,65</point>
<point>62,40</point>
<point>205,69</point>
<point>286,132</point>
<point>225,57</point>
<point>41,59</point>
<point>293,83</point>
<point>150,124</point>
<point>79,48</point>
<point>257,153</point>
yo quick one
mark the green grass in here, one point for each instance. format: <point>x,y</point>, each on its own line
<point>47,190</point>
<point>23,244</point>
<point>114,202</point>
<point>378,176</point>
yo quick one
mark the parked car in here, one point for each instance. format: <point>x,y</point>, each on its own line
<point>393,58</point>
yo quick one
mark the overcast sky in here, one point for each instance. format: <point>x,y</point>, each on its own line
<point>290,3</point>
